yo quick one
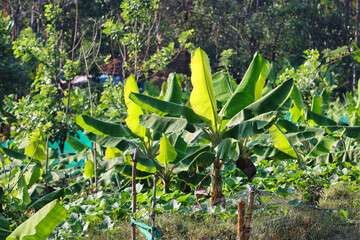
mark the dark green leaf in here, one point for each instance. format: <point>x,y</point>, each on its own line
<point>163,124</point>
<point>38,204</point>
<point>163,108</point>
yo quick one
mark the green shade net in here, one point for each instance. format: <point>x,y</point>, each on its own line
<point>144,229</point>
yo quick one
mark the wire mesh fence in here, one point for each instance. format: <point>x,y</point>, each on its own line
<point>276,217</point>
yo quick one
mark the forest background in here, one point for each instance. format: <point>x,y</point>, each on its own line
<point>230,32</point>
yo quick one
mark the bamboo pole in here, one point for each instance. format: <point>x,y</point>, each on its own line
<point>241,220</point>
<point>249,211</point>
<point>133,226</point>
<point>153,208</point>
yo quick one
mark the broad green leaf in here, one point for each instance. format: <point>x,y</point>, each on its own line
<point>22,191</point>
<point>32,175</point>
<point>102,128</point>
<point>126,171</point>
<point>201,162</point>
<point>352,132</point>
<point>112,152</point>
<point>183,164</point>
<point>325,103</point>
<point>163,91</point>
<point>262,120</point>
<point>4,223</point>
<point>224,149</point>
<point>11,153</point>
<point>163,124</point>
<point>89,170</point>
<point>270,152</point>
<point>282,143</point>
<point>316,105</point>
<point>41,224</point>
<point>38,204</point>
<point>270,102</point>
<point>296,96</point>
<point>133,109</point>
<point>222,87</point>
<point>143,164</point>
<point>167,151</point>
<point>287,125</point>
<point>250,88</point>
<point>121,143</point>
<point>4,227</point>
<point>202,98</point>
<point>37,149</point>
<point>296,113</point>
<point>265,70</point>
<point>304,135</point>
<point>250,127</point>
<point>350,156</point>
<point>319,120</point>
<point>76,144</point>
<point>163,108</point>
<point>323,146</point>
<point>173,92</point>
<point>179,144</point>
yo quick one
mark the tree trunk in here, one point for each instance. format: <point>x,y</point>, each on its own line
<point>166,183</point>
<point>346,20</point>
<point>356,42</point>
<point>217,197</point>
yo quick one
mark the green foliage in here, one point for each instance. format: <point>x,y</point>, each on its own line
<point>13,75</point>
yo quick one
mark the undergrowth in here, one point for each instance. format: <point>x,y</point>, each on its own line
<point>337,216</point>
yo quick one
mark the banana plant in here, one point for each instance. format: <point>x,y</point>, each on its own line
<point>220,118</point>
<point>321,134</point>
<point>142,131</point>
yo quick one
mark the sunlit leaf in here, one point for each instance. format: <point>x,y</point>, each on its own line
<point>167,151</point>
<point>41,224</point>
<point>89,170</point>
<point>250,88</point>
<point>282,143</point>
<point>202,98</point>
<point>133,109</point>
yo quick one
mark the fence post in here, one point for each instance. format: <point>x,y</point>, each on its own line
<point>241,220</point>
<point>249,211</point>
<point>153,208</point>
<point>133,182</point>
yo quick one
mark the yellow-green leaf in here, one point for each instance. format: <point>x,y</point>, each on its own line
<point>41,224</point>
<point>89,169</point>
<point>282,143</point>
<point>36,148</point>
<point>167,151</point>
<point>202,98</point>
<point>112,152</point>
<point>265,70</point>
<point>133,109</point>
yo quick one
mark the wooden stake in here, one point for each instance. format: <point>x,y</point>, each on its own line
<point>133,226</point>
<point>241,220</point>
<point>153,208</point>
<point>249,212</point>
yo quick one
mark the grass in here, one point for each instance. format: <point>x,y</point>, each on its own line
<point>337,216</point>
